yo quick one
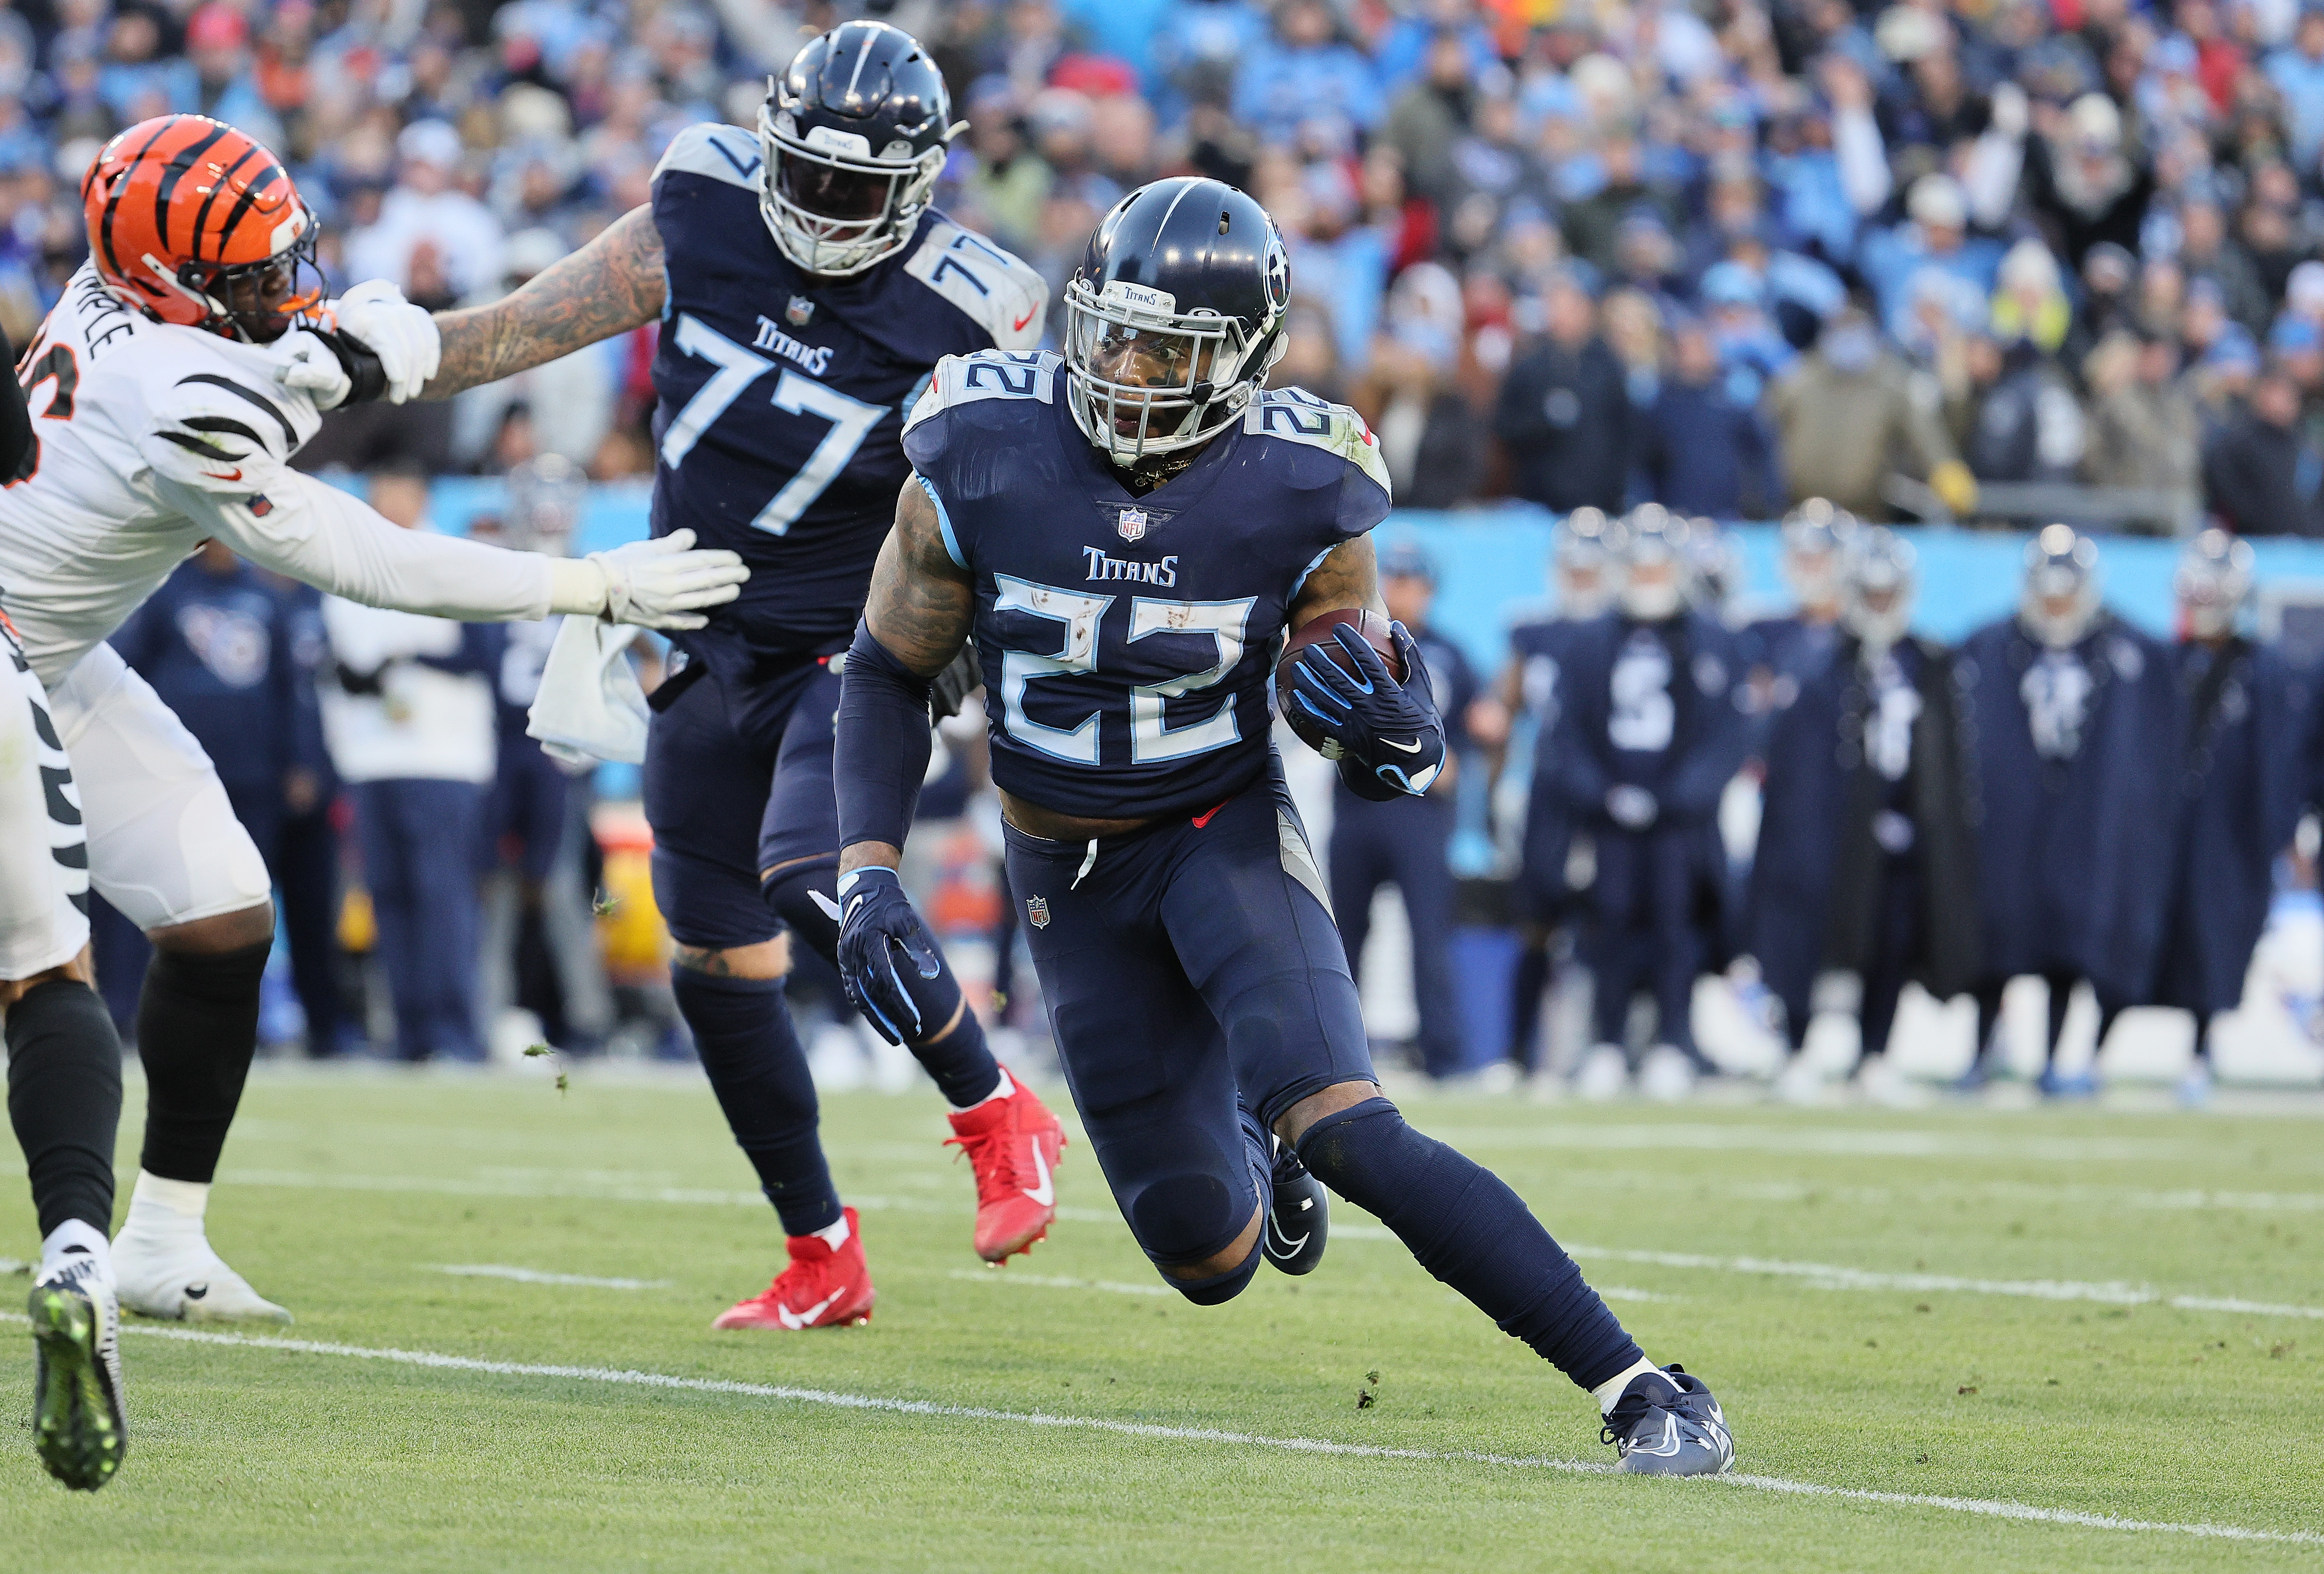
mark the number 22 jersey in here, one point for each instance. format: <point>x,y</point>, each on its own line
<point>781,394</point>
<point>1128,642</point>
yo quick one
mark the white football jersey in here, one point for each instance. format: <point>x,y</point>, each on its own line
<point>151,438</point>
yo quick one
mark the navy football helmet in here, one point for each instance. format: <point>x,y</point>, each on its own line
<point>1579,563</point>
<point>1815,536</point>
<point>2060,598</point>
<point>1881,577</point>
<point>1174,316</point>
<point>1653,546</point>
<point>2213,583</point>
<point>854,134</point>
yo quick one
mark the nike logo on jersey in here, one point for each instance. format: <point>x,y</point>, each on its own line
<point>234,475</point>
<point>1411,748</point>
<point>1045,1193</point>
<point>805,1319</point>
<point>1019,325</point>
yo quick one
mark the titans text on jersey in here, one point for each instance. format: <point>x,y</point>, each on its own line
<point>781,394</point>
<point>1109,703</point>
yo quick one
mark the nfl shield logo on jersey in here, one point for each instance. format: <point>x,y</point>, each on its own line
<point>1133,524</point>
<point>1036,908</point>
<point>798,312</point>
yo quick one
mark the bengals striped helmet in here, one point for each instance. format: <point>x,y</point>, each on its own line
<point>193,223</point>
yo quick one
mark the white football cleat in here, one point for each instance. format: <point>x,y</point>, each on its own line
<point>1881,1083</point>
<point>184,1281</point>
<point>1666,1076</point>
<point>1603,1075</point>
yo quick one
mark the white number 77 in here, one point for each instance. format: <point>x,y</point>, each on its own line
<point>850,419</point>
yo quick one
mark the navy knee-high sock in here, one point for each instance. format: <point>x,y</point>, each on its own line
<point>1466,1226</point>
<point>751,1053</point>
<point>959,1060</point>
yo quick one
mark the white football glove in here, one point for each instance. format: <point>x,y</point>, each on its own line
<point>661,583</point>
<point>308,366</point>
<point>403,336</point>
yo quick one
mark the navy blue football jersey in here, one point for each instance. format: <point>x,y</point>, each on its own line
<point>1128,642</point>
<point>781,395</point>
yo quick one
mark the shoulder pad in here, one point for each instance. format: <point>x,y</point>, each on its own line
<point>1298,416</point>
<point>723,152</point>
<point>958,380</point>
<point>1001,295</point>
<point>222,431</point>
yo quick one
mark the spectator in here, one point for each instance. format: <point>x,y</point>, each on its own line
<point>2206,251</point>
<point>2297,71</point>
<point>1429,117</point>
<point>1565,413</point>
<point>2259,474</point>
<point>1426,431</point>
<point>1932,254</point>
<point>1704,451</point>
<point>427,209</point>
<point>1592,225</point>
<point>1845,418</point>
<point>409,723</point>
<point>1307,72</point>
<point>2144,430</point>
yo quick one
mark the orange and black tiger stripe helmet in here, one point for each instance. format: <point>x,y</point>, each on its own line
<point>193,223</point>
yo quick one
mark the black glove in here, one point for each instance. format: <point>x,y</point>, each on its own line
<point>1391,730</point>
<point>876,920</point>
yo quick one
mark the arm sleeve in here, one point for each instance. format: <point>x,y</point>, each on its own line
<point>881,752</point>
<point>314,532</point>
<point>1863,159</point>
<point>15,418</point>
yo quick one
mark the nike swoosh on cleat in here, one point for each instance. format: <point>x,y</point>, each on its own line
<point>196,1292</point>
<point>802,1319</point>
<point>1411,748</point>
<point>1045,1193</point>
<point>1291,1247</point>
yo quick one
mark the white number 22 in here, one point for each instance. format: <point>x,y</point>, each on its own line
<point>850,419</point>
<point>1150,739</point>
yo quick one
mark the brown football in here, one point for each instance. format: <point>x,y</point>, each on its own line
<point>1319,630</point>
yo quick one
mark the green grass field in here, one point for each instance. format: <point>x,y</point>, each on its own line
<point>2085,1312</point>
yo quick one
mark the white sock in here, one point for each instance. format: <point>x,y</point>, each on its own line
<point>72,1239</point>
<point>1608,1394</point>
<point>161,1209</point>
<point>1002,1089</point>
<point>834,1236</point>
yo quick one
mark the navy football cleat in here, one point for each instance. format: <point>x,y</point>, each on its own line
<point>1666,1423</point>
<point>1298,1217</point>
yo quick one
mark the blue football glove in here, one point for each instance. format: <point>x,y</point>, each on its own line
<point>876,921</point>
<point>1390,730</point>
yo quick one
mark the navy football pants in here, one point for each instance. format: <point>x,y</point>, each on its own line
<point>1180,963</point>
<point>1406,842</point>
<point>419,841</point>
<point>1649,934</point>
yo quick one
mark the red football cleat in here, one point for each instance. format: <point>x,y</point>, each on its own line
<point>825,1286</point>
<point>1012,1143</point>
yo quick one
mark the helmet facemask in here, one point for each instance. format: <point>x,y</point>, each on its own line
<point>2060,602</point>
<point>836,208</point>
<point>1148,379</point>
<point>259,302</point>
<point>2212,584</point>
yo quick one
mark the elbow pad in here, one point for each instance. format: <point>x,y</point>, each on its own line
<point>881,752</point>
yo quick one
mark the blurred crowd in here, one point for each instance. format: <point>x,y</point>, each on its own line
<point>1721,256</point>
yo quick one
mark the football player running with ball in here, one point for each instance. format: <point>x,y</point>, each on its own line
<point>1126,532</point>
<point>189,358</point>
<point>806,290</point>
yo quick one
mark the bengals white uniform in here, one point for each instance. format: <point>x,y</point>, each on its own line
<point>43,856</point>
<point>152,438</point>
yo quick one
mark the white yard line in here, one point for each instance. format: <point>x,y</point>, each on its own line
<point>1854,1141</point>
<point>1055,1281</point>
<point>535,1276</point>
<point>1987,1507</point>
<point>1831,1276</point>
<point>1817,1276</point>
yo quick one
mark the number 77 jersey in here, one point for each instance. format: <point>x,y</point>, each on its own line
<point>1128,642</point>
<point>780,394</point>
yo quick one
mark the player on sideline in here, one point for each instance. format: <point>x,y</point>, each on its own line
<point>171,386</point>
<point>806,289</point>
<point>1126,532</point>
<point>64,1061</point>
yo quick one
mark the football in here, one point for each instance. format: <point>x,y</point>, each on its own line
<point>1319,630</point>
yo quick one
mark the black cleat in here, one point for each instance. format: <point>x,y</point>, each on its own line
<point>78,1429</point>
<point>1666,1423</point>
<point>1298,1217</point>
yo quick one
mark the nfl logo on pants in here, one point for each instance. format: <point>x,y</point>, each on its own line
<point>1036,908</point>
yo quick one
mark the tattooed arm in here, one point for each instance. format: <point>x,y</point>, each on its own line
<point>922,608</point>
<point>1347,578</point>
<point>610,286</point>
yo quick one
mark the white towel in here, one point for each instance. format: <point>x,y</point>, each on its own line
<point>590,706</point>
